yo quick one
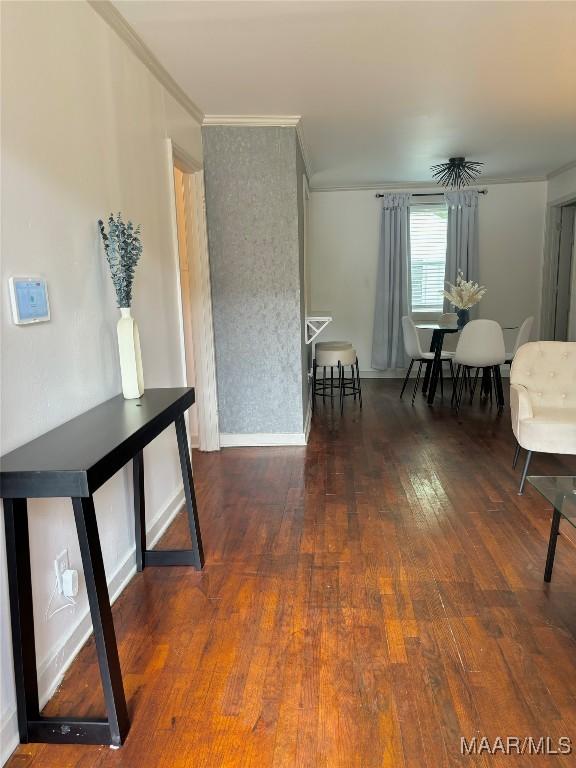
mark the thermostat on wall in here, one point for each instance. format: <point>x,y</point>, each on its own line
<point>29,299</point>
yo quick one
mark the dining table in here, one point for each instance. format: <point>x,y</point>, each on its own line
<point>434,366</point>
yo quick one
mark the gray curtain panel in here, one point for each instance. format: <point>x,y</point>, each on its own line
<point>392,285</point>
<point>462,247</point>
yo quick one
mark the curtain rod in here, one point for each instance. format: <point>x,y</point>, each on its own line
<point>427,194</point>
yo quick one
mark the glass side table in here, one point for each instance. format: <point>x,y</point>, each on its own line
<point>561,493</point>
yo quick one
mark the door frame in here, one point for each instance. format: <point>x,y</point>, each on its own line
<point>550,266</point>
<point>201,300</point>
<point>306,228</point>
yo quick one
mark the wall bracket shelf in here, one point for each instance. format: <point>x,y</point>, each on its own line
<point>315,324</point>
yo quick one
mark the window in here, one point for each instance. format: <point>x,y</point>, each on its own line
<point>428,232</point>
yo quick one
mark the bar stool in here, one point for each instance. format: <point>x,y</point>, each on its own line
<point>321,387</point>
<point>336,355</point>
<point>349,387</point>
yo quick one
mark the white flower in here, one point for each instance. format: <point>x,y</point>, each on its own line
<point>465,293</point>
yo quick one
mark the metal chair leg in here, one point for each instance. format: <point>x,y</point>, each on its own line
<point>332,385</point>
<point>455,386</point>
<point>498,388</point>
<point>524,473</point>
<point>417,381</point>
<point>473,389</point>
<point>516,455</point>
<point>341,380</point>
<point>359,384</point>
<point>406,377</point>
<point>461,392</point>
<point>313,385</point>
<point>441,382</point>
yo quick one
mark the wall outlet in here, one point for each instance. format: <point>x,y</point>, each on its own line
<point>61,564</point>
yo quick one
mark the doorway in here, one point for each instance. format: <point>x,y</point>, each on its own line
<point>194,295</point>
<point>565,300</point>
<point>558,320</point>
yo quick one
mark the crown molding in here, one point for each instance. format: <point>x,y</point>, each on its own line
<point>415,185</point>
<point>562,169</point>
<point>253,121</point>
<point>118,23</point>
<point>266,121</point>
<point>304,149</point>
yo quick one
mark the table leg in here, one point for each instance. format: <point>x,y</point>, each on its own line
<point>499,388</point>
<point>429,365</point>
<point>486,386</point>
<point>101,613</point>
<point>189,494</point>
<point>139,508</point>
<point>435,373</point>
<point>554,529</point>
<point>193,556</point>
<point>21,613</point>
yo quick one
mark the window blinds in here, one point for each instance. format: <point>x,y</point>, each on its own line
<point>428,232</point>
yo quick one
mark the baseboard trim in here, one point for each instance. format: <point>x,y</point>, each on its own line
<point>308,420</point>
<point>261,439</point>
<point>53,667</point>
<point>399,373</point>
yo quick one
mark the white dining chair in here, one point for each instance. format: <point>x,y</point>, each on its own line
<point>522,337</point>
<point>414,351</point>
<point>480,346</point>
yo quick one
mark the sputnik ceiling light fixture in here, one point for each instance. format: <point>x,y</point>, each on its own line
<point>457,172</point>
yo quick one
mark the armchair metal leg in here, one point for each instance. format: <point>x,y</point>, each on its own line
<point>524,473</point>
<point>406,377</point>
<point>516,455</point>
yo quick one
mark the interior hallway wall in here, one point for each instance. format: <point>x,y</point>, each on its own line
<point>344,242</point>
<point>84,128</point>
<point>253,232</point>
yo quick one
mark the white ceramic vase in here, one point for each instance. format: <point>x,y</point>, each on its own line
<point>130,357</point>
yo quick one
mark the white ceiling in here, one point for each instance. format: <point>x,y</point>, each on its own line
<point>385,89</point>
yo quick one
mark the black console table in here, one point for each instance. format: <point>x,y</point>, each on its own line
<point>75,460</point>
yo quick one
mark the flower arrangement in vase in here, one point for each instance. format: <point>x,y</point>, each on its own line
<point>462,296</point>
<point>123,249</point>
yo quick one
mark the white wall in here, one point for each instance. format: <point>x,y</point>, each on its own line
<point>84,128</point>
<point>344,235</point>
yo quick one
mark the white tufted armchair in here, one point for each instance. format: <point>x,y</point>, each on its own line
<point>543,399</point>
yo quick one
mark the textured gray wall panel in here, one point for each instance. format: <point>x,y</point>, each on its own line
<point>306,352</point>
<point>252,212</point>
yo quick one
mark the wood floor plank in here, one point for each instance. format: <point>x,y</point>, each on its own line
<point>367,601</point>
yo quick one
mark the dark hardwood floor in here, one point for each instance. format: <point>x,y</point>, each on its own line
<point>367,601</point>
